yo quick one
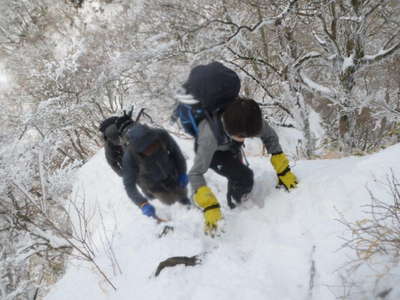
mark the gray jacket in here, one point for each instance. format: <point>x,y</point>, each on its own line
<point>207,145</point>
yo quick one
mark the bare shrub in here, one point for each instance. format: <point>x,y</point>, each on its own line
<point>376,241</point>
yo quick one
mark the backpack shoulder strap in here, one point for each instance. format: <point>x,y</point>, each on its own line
<point>215,122</point>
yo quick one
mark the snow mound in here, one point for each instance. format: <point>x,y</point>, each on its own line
<point>284,247</point>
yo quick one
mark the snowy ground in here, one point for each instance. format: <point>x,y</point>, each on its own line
<point>287,247</point>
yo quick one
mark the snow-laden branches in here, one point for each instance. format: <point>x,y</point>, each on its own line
<point>303,59</point>
<point>78,239</point>
<point>317,88</point>
<point>235,36</point>
<point>381,54</point>
<point>331,44</point>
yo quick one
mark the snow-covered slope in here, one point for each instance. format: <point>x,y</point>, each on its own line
<point>286,247</point>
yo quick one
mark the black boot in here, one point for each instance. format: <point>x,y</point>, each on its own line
<point>185,201</point>
<point>229,198</point>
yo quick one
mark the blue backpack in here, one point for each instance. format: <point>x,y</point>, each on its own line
<point>189,117</point>
<point>211,88</point>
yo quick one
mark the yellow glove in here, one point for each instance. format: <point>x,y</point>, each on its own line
<point>205,198</point>
<point>281,165</point>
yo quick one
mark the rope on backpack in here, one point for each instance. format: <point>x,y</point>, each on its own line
<point>142,112</point>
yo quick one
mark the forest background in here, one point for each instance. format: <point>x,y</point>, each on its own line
<point>67,65</point>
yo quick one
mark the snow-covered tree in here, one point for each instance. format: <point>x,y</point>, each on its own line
<point>352,36</point>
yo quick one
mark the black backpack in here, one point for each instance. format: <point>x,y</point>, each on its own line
<point>212,87</point>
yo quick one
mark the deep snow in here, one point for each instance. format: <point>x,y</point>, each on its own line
<point>287,247</point>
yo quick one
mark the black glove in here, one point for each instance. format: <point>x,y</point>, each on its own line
<point>124,122</point>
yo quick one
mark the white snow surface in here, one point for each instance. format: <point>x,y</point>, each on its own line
<point>5,82</point>
<point>285,247</point>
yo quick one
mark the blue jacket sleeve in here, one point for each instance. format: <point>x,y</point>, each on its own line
<point>130,170</point>
<point>175,152</point>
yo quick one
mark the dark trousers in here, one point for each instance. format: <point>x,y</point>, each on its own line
<point>167,192</point>
<point>240,177</point>
<point>174,194</point>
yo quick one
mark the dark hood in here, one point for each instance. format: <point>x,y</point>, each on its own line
<point>110,131</point>
<point>112,135</point>
<point>140,137</point>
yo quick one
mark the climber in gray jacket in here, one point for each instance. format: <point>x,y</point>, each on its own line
<point>210,109</point>
<point>218,146</point>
